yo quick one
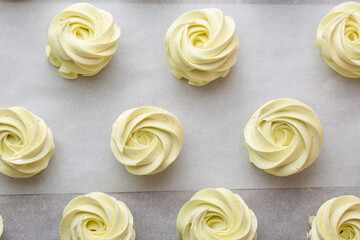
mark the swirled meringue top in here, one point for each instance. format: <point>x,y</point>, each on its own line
<point>96,216</point>
<point>146,139</point>
<point>82,40</point>
<point>337,219</point>
<point>202,45</point>
<point>338,39</point>
<point>1,226</point>
<point>216,214</point>
<point>26,143</point>
<point>283,137</point>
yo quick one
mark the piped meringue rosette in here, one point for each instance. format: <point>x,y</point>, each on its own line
<point>26,143</point>
<point>216,214</point>
<point>202,46</point>
<point>337,219</point>
<point>146,139</point>
<point>338,39</point>
<point>82,40</point>
<point>283,137</point>
<point>96,216</point>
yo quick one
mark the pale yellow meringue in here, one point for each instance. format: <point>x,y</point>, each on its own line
<point>146,139</point>
<point>96,216</point>
<point>1,226</point>
<point>283,137</point>
<point>26,143</point>
<point>216,214</point>
<point>337,219</point>
<point>82,40</point>
<point>338,39</point>
<point>202,46</point>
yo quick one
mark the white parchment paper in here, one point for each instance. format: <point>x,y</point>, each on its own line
<point>277,58</point>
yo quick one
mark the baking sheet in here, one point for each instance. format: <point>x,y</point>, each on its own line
<point>277,58</point>
<point>281,213</point>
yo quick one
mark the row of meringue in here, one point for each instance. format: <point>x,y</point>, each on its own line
<point>146,140</point>
<point>201,45</point>
<point>83,38</point>
<point>283,137</point>
<point>211,214</point>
